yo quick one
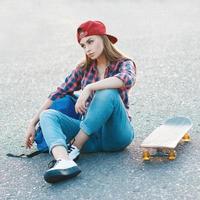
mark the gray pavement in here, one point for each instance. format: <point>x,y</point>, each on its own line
<point>38,48</point>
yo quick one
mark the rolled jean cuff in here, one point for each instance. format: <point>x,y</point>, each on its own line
<point>85,129</point>
<point>57,143</point>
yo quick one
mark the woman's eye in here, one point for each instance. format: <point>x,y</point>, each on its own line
<point>90,41</point>
<point>83,46</point>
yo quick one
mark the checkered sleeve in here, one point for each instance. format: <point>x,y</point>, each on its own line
<point>127,73</point>
<point>72,83</point>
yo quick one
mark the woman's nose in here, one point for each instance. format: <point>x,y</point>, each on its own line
<point>87,49</point>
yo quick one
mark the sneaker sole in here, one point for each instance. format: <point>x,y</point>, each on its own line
<point>55,176</point>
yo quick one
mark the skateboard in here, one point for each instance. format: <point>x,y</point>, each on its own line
<point>164,139</point>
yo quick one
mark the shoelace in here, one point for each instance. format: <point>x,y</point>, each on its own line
<point>70,147</point>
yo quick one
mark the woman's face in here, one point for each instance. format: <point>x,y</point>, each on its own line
<point>93,46</point>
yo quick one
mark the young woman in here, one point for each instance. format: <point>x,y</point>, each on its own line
<point>104,78</point>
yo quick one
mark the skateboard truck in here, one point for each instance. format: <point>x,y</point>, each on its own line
<point>171,155</point>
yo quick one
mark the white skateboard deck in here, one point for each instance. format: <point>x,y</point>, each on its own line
<point>169,134</point>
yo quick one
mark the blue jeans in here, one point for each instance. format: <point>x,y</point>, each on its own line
<point>106,123</point>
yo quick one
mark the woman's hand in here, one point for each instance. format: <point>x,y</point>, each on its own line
<point>81,106</point>
<point>30,135</point>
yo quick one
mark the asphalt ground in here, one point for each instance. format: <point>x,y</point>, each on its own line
<point>38,48</point>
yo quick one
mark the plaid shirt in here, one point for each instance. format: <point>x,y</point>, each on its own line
<point>124,69</point>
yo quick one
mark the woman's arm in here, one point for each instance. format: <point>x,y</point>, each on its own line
<point>44,106</point>
<point>124,79</point>
<point>107,83</point>
<point>30,134</point>
<point>71,84</point>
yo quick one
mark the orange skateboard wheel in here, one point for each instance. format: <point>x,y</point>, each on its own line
<point>172,155</point>
<point>146,156</point>
<point>186,137</point>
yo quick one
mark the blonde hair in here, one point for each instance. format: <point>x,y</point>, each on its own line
<point>111,53</point>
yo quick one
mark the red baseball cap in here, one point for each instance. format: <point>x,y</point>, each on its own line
<point>93,28</point>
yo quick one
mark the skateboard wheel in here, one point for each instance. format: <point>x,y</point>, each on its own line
<point>146,156</point>
<point>172,155</point>
<point>186,137</point>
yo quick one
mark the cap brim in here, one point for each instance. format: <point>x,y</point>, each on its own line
<point>113,39</point>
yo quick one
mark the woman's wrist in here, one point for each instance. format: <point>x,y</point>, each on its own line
<point>32,122</point>
<point>89,87</point>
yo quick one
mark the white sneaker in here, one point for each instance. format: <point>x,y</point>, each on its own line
<point>73,152</point>
<point>61,170</point>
